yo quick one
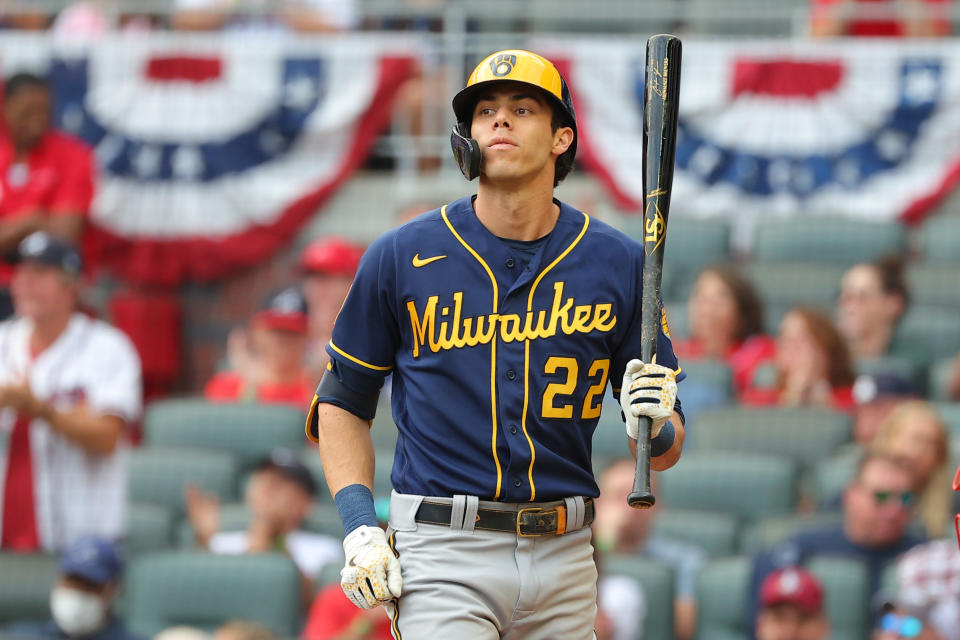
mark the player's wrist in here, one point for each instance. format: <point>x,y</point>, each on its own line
<point>355,506</point>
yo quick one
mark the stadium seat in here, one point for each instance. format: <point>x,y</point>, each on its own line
<point>949,412</point>
<point>311,459</point>
<point>770,532</point>
<point>722,598</point>
<point>891,365</point>
<point>940,239</point>
<point>203,590</point>
<point>928,333</point>
<point>940,375</point>
<point>750,486</point>
<point>384,430</point>
<point>783,286</point>
<point>249,430</point>
<point>826,240</point>
<point>832,475</point>
<point>150,527</point>
<point>25,582</point>
<point>692,244</point>
<point>609,438</point>
<point>846,587</point>
<point>716,533</point>
<point>158,475</point>
<point>657,582</point>
<point>677,318</point>
<point>713,373</point>
<point>934,285</point>
<point>805,435</point>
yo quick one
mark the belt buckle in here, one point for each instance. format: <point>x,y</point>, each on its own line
<point>554,519</point>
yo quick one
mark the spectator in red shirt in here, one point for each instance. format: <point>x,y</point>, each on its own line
<point>267,362</point>
<point>812,362</point>
<point>46,176</point>
<point>725,316</point>
<point>333,617</point>
<point>328,265</point>
<point>880,18</point>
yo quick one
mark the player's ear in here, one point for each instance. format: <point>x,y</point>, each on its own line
<point>562,139</point>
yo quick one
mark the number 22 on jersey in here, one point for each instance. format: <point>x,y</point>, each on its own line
<point>567,369</point>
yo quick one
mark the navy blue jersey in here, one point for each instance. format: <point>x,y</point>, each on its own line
<point>499,369</point>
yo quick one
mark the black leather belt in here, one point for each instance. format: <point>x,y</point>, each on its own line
<point>528,521</point>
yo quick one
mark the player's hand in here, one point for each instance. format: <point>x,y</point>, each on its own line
<point>647,390</point>
<point>371,575</point>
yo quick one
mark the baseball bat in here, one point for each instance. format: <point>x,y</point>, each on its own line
<point>661,89</point>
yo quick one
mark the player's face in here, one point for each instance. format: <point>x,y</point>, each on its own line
<point>863,307</point>
<point>787,622</point>
<point>877,506</point>
<point>512,124</point>
<point>27,115</point>
<point>42,292</point>
<point>712,312</point>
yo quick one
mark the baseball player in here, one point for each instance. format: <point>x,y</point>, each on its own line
<point>502,317</point>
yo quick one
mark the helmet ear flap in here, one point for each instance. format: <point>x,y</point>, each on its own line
<point>466,151</point>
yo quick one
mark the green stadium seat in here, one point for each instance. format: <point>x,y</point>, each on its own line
<point>940,239</point>
<point>657,582</point>
<point>25,583</point>
<point>795,284</point>
<point>722,598</point>
<point>249,430</point>
<point>896,365</point>
<point>150,527</point>
<point>384,430</point>
<point>949,412</point>
<point>749,486</point>
<point>770,532</point>
<point>610,437</point>
<point>926,334</point>
<point>713,373</point>
<point>846,587</point>
<point>677,318</point>
<point>716,533</point>
<point>204,590</point>
<point>692,245</point>
<point>158,475</point>
<point>805,435</point>
<point>311,459</point>
<point>826,240</point>
<point>832,475</point>
<point>940,375</point>
<point>934,285</point>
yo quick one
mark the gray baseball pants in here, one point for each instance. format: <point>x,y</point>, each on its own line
<point>461,583</point>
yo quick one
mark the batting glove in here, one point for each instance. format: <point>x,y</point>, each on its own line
<point>371,575</point>
<point>648,390</point>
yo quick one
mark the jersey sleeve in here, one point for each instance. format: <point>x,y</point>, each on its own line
<point>115,387</point>
<point>629,347</point>
<point>74,194</point>
<point>366,334</point>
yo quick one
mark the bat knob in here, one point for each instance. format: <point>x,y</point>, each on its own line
<point>641,500</point>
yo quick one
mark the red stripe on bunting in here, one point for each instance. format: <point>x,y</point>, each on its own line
<point>167,263</point>
<point>184,69</point>
<point>785,78</point>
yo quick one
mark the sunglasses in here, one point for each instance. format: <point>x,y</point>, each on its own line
<point>904,626</point>
<point>906,498</point>
<point>956,518</point>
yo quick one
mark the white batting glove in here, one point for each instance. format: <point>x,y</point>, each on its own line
<point>371,575</point>
<point>648,390</point>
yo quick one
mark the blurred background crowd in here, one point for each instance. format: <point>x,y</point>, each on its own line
<point>187,188</point>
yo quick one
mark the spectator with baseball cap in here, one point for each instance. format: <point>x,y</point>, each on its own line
<point>876,396</point>
<point>81,602</point>
<point>791,607</point>
<point>267,361</point>
<point>279,497</point>
<point>70,386</point>
<point>46,176</point>
<point>327,266</point>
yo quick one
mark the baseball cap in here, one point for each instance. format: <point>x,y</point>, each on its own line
<point>795,586</point>
<point>331,255</point>
<point>869,387</point>
<point>96,560</point>
<point>285,309</point>
<point>48,249</point>
<point>288,463</point>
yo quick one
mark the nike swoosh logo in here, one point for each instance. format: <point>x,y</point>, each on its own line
<point>418,262</point>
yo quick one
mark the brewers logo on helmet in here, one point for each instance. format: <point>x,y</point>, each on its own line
<point>515,65</point>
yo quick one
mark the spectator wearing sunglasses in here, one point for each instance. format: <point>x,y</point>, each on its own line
<point>896,623</point>
<point>877,506</point>
<point>928,585</point>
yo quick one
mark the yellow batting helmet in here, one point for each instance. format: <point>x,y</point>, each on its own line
<point>514,65</point>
